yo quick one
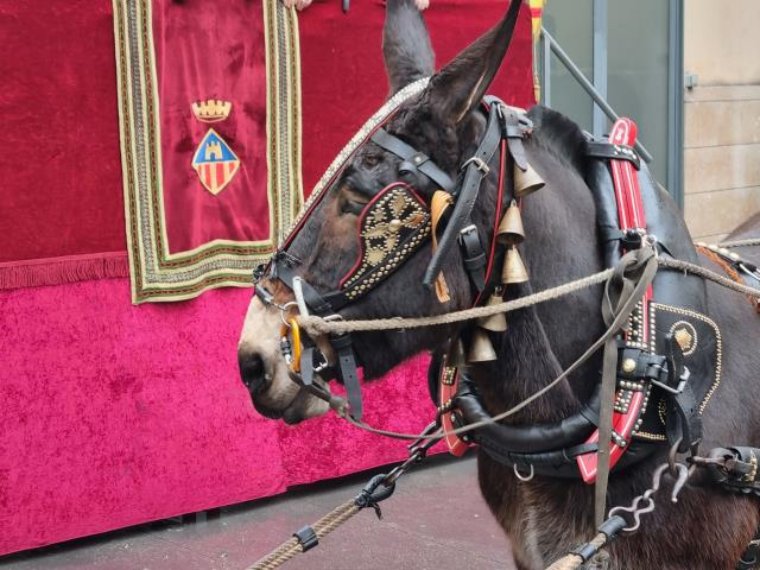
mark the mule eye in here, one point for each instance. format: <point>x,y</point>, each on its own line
<point>371,160</point>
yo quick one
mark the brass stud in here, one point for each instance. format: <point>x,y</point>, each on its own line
<point>629,365</point>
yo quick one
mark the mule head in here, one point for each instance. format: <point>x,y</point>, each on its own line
<point>443,123</point>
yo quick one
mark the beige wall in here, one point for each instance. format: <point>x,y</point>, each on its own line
<point>722,115</point>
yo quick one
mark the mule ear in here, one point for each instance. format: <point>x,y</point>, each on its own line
<point>406,45</point>
<point>458,88</point>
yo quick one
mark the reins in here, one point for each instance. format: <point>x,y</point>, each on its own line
<point>317,325</point>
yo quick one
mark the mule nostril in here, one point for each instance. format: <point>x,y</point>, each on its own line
<point>252,372</point>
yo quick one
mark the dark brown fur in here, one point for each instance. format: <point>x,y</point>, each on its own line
<point>545,518</point>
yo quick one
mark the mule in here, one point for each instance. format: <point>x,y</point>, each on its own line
<point>545,517</point>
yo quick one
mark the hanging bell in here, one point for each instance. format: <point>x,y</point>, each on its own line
<point>481,349</point>
<point>514,270</point>
<point>527,181</point>
<point>511,231</point>
<point>497,322</point>
<point>457,358</point>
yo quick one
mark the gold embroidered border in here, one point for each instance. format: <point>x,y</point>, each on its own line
<point>155,274</point>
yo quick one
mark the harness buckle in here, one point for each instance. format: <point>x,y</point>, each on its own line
<point>464,232</point>
<point>683,379</point>
<point>479,164</point>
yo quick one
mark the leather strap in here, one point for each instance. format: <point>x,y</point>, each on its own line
<point>439,205</point>
<point>475,170</point>
<point>348,372</point>
<point>608,151</point>
<point>414,159</point>
<point>474,256</point>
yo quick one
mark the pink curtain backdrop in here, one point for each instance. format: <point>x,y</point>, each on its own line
<point>105,435</point>
<point>115,415</point>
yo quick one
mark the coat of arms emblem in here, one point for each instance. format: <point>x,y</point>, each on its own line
<point>214,160</point>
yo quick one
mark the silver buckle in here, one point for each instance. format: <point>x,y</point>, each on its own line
<point>468,230</point>
<point>478,162</point>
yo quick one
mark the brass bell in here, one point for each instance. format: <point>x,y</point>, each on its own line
<point>497,322</point>
<point>481,349</point>
<point>511,231</point>
<point>514,270</point>
<point>527,181</point>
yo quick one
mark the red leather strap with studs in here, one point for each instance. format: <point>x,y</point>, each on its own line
<point>629,403</point>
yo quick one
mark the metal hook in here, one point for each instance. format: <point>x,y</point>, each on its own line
<point>521,477</point>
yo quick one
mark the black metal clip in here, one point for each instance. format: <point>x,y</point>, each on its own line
<point>307,537</point>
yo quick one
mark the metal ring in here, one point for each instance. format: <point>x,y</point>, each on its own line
<point>520,476</point>
<point>283,309</point>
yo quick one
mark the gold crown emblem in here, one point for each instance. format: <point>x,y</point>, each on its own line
<point>212,110</point>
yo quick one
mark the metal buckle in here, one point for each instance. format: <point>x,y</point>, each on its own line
<point>467,231</point>
<point>478,162</point>
<point>681,385</point>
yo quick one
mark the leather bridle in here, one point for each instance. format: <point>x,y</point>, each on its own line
<point>504,125</point>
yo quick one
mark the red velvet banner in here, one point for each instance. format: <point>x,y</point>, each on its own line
<point>213,100</point>
<point>208,104</point>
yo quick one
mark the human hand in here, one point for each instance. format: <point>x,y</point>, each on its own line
<point>422,4</point>
<point>301,4</point>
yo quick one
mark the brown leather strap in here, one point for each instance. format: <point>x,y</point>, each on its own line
<point>438,206</point>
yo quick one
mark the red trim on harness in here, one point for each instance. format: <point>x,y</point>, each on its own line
<point>448,389</point>
<point>448,381</point>
<point>630,217</point>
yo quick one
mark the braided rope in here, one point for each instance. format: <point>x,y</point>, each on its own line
<point>318,326</point>
<point>740,243</point>
<point>700,271</point>
<point>292,546</point>
<point>574,561</point>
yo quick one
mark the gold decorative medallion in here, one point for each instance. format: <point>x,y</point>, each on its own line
<point>685,336</point>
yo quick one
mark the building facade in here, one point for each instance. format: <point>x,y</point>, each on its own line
<point>688,71</point>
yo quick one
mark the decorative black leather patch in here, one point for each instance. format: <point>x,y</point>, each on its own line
<point>391,228</point>
<point>702,346</point>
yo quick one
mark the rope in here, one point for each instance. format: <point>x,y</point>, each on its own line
<point>322,528</point>
<point>573,561</point>
<point>315,325</point>
<point>700,271</point>
<point>740,243</point>
<point>641,259</point>
<point>318,326</point>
